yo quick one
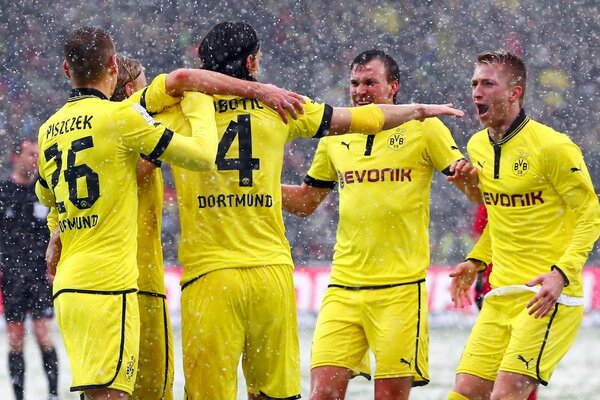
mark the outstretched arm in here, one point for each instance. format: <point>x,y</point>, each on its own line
<point>302,200</point>
<point>210,82</point>
<point>377,117</point>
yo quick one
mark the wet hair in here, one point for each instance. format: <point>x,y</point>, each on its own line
<point>227,46</point>
<point>391,66</point>
<point>129,70</point>
<point>513,64</point>
<point>87,51</point>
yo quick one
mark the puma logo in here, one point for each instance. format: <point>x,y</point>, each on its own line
<point>520,357</point>
<point>346,144</point>
<point>454,148</point>
<point>575,169</point>
<point>404,361</point>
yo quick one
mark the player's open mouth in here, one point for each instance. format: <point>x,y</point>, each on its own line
<point>482,108</point>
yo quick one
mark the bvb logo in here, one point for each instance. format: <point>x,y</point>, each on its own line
<point>521,166</point>
<point>395,140</point>
<point>130,369</point>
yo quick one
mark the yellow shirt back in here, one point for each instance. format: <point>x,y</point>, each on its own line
<point>231,217</point>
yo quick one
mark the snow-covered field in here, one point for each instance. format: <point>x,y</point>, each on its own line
<point>575,379</point>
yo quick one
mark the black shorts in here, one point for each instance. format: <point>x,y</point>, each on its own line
<point>21,295</point>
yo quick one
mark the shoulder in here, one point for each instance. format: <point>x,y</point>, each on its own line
<point>547,138</point>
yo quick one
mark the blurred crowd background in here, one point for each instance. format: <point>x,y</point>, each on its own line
<point>307,47</point>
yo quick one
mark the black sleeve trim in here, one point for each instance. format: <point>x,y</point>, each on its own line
<point>446,171</point>
<point>162,145</point>
<point>154,161</point>
<point>567,281</point>
<point>143,98</point>
<point>43,183</point>
<point>325,122</point>
<point>483,263</point>
<point>310,181</point>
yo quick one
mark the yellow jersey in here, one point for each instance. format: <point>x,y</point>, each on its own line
<point>384,184</point>
<point>542,207</point>
<point>89,152</point>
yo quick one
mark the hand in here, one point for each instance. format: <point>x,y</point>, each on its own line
<point>436,110</point>
<point>466,178</point>
<point>544,300</point>
<point>53,255</point>
<point>463,276</point>
<point>281,101</point>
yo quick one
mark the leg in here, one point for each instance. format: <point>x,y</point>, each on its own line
<point>473,387</point>
<point>393,388</point>
<point>42,330</point>
<point>329,383</point>
<point>105,394</point>
<point>16,361</point>
<point>213,328</point>
<point>512,386</point>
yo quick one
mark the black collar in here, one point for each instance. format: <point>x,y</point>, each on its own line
<point>80,93</point>
<point>516,127</point>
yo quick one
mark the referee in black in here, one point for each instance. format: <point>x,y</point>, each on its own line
<point>25,286</point>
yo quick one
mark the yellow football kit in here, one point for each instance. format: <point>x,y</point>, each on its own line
<point>382,243</point>
<point>543,214</point>
<point>89,151</point>
<point>231,219</point>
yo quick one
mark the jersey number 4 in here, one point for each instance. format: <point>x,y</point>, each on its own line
<point>244,163</point>
<point>74,172</point>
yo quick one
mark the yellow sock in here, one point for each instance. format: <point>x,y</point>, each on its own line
<point>456,396</point>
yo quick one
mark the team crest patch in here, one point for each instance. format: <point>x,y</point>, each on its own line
<point>521,165</point>
<point>396,139</point>
<point>130,369</point>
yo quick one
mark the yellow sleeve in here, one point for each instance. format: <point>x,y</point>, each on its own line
<point>441,146</point>
<point>154,97</point>
<point>570,177</point>
<point>52,219</point>
<point>482,250</point>
<point>315,121</point>
<point>198,108</point>
<point>43,193</point>
<point>321,173</point>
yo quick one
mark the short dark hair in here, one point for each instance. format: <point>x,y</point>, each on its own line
<point>226,47</point>
<point>391,66</point>
<point>18,143</point>
<point>514,64</point>
<point>87,51</point>
<point>129,70</point>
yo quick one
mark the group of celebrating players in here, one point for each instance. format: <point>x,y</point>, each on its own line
<point>224,134</point>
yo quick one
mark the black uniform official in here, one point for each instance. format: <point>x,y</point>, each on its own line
<point>24,285</point>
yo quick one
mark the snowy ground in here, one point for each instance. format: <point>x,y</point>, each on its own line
<point>575,378</point>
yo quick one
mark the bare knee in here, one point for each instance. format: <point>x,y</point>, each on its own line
<point>105,394</point>
<point>393,388</point>
<point>329,383</point>
<point>473,387</point>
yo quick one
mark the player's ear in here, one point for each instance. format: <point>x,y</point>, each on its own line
<point>252,65</point>
<point>517,92</point>
<point>394,86</point>
<point>66,69</point>
<point>112,65</point>
<point>129,89</point>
